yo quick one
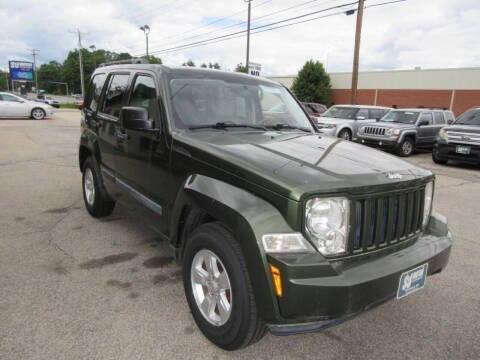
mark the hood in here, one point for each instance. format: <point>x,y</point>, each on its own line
<point>297,165</point>
<point>464,128</point>
<point>393,125</point>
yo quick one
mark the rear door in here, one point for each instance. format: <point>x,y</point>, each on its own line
<point>426,132</point>
<point>107,120</point>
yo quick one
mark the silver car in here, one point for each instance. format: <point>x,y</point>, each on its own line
<point>13,106</point>
<point>343,121</point>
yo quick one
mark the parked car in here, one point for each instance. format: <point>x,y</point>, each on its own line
<point>404,130</point>
<point>460,141</point>
<point>13,106</point>
<point>314,110</point>
<point>78,101</point>
<point>49,100</point>
<point>276,227</point>
<point>343,121</point>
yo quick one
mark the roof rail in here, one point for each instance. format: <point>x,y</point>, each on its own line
<point>127,61</point>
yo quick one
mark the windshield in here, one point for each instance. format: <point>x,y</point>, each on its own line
<point>200,102</point>
<point>403,117</point>
<point>471,117</point>
<point>337,112</point>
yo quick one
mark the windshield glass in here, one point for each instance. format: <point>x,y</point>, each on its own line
<point>233,100</point>
<point>471,117</point>
<point>337,112</point>
<point>404,117</point>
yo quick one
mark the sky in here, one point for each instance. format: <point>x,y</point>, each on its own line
<point>405,35</point>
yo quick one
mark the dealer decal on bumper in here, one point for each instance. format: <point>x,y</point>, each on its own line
<point>412,280</point>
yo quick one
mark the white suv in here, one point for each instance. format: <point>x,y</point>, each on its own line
<point>13,106</point>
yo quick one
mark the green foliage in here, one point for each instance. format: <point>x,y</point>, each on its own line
<point>49,72</point>
<point>241,68</point>
<point>3,80</point>
<point>312,83</point>
<point>153,59</point>
<point>203,66</point>
<point>189,63</point>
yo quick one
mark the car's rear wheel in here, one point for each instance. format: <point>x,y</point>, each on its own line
<point>345,134</point>
<point>218,288</point>
<point>95,200</point>
<point>406,147</point>
<point>38,114</point>
<point>438,160</point>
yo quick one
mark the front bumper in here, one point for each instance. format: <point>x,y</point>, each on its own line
<point>448,151</point>
<point>328,131</point>
<point>384,143</point>
<point>319,293</point>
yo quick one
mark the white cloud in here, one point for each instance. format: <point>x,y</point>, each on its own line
<point>426,33</point>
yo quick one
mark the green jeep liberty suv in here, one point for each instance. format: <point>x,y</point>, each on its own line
<point>277,227</point>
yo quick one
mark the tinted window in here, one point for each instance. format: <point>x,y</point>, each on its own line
<point>144,95</point>
<point>427,117</point>
<point>377,114</point>
<point>439,119</point>
<point>363,113</point>
<point>94,91</point>
<point>112,103</point>
<point>471,117</point>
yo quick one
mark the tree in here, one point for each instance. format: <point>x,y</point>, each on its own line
<point>214,66</point>
<point>189,63</point>
<point>153,59</point>
<point>241,68</point>
<point>203,66</point>
<point>3,80</point>
<point>312,83</point>
<point>52,71</point>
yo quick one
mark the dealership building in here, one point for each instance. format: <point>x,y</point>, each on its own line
<point>454,89</point>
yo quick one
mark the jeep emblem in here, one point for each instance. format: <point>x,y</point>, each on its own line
<point>466,138</point>
<point>394,176</point>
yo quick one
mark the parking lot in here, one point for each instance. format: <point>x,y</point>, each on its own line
<point>73,287</point>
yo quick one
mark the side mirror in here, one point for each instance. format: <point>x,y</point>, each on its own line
<point>423,123</point>
<point>361,118</point>
<point>450,122</point>
<point>135,118</point>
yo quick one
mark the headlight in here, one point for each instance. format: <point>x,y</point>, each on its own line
<point>327,126</point>
<point>392,132</point>
<point>427,207</point>
<point>326,221</point>
<point>286,243</point>
<point>361,130</point>
<point>442,134</point>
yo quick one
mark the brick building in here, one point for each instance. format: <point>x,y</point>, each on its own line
<point>455,89</point>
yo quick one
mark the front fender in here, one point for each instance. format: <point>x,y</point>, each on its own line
<point>249,217</point>
<point>404,134</point>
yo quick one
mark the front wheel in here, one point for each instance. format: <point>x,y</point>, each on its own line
<point>406,147</point>
<point>436,159</point>
<point>218,288</point>
<point>38,114</point>
<point>345,134</point>
<point>95,201</point>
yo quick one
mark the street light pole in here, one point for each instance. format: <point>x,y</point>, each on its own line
<point>356,56</point>
<point>34,54</point>
<point>248,33</point>
<point>146,31</point>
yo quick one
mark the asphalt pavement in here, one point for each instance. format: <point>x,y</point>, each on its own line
<point>73,287</point>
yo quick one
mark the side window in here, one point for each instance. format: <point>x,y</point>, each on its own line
<point>439,119</point>
<point>94,91</point>
<point>6,97</point>
<point>376,114</point>
<point>449,117</point>
<point>112,102</point>
<point>427,117</point>
<point>144,95</point>
<point>363,113</point>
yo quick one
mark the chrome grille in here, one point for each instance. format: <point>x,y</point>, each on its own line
<point>463,138</point>
<point>374,130</point>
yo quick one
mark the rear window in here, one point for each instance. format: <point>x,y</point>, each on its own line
<point>439,119</point>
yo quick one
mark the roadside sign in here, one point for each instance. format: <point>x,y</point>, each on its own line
<point>254,69</point>
<point>21,70</point>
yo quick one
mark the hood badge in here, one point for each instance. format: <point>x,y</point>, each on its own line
<point>394,176</point>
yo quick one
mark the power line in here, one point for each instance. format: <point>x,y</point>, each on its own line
<point>262,26</point>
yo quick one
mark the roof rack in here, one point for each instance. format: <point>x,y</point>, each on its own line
<point>127,61</point>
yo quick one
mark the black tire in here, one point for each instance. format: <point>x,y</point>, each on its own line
<point>406,148</point>
<point>38,114</point>
<point>101,206</point>
<point>345,134</point>
<point>437,160</point>
<point>244,326</point>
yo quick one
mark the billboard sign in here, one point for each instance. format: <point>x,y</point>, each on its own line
<point>21,70</point>
<point>254,69</point>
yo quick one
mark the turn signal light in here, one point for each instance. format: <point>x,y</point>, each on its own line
<point>277,280</point>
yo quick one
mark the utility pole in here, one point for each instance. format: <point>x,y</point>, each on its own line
<point>94,49</point>
<point>146,31</point>
<point>356,56</point>
<point>34,54</point>
<point>80,47</point>
<point>247,63</point>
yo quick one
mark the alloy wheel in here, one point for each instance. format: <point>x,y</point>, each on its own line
<point>89,187</point>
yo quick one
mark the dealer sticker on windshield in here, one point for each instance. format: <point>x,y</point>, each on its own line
<point>412,280</point>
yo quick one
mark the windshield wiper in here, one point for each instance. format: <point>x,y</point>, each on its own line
<point>224,125</point>
<point>287,126</point>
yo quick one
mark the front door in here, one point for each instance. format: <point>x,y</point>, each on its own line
<point>426,129</point>
<point>13,106</point>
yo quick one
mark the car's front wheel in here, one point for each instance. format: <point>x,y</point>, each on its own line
<point>95,200</point>
<point>436,159</point>
<point>406,147</point>
<point>345,134</point>
<point>218,288</point>
<point>38,114</point>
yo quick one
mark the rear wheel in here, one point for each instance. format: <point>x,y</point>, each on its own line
<point>95,200</point>
<point>345,134</point>
<point>38,114</point>
<point>218,288</point>
<point>436,159</point>
<point>406,147</point>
